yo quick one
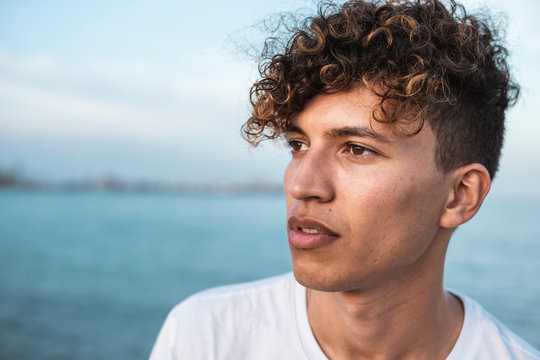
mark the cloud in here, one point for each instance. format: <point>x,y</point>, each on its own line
<point>180,99</point>
<point>127,117</point>
<point>41,95</point>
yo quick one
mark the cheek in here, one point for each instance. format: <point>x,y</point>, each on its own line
<point>384,206</point>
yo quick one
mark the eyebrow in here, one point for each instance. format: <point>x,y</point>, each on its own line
<point>358,131</point>
<point>346,131</point>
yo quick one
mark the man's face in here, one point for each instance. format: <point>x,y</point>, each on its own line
<point>363,205</point>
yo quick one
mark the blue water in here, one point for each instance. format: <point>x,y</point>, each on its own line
<point>92,275</point>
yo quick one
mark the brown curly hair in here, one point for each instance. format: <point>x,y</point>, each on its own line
<point>424,60</point>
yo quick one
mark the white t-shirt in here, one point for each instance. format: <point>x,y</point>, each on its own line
<point>267,319</point>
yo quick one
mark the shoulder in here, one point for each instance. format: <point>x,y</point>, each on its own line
<point>272,292</point>
<point>274,284</point>
<point>485,337</point>
<point>230,319</point>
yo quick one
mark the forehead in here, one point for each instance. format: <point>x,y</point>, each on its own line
<point>349,114</point>
<point>346,109</point>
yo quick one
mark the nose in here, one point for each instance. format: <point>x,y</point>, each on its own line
<point>310,178</point>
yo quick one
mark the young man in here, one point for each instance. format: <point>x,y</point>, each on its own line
<point>394,113</point>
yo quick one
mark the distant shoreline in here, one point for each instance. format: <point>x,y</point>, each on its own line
<point>114,184</point>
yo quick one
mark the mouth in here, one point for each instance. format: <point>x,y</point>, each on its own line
<point>306,233</point>
<point>309,231</point>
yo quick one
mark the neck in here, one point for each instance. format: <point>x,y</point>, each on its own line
<point>410,316</point>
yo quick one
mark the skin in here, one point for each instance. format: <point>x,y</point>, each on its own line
<point>374,288</point>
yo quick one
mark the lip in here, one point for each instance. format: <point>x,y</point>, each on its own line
<point>302,240</point>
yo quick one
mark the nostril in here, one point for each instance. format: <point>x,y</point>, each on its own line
<point>309,179</point>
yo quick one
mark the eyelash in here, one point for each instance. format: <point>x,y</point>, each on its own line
<point>296,146</point>
<point>293,144</point>
<point>350,148</point>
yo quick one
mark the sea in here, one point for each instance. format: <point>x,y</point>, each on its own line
<point>93,274</point>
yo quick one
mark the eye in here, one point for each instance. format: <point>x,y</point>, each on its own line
<point>358,150</point>
<point>297,146</point>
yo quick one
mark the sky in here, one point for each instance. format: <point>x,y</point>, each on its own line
<point>158,90</point>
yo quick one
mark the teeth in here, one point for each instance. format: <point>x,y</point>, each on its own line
<point>310,231</point>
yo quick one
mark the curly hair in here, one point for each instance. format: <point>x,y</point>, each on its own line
<point>424,60</point>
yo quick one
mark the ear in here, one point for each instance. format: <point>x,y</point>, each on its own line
<point>471,183</point>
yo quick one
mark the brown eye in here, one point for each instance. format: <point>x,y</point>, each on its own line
<point>357,149</point>
<point>295,145</point>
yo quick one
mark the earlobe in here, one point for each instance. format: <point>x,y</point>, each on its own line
<point>471,183</point>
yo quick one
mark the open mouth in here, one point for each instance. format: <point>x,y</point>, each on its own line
<point>306,233</point>
<point>309,226</point>
<point>309,231</point>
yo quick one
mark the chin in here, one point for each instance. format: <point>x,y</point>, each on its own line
<point>321,280</point>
